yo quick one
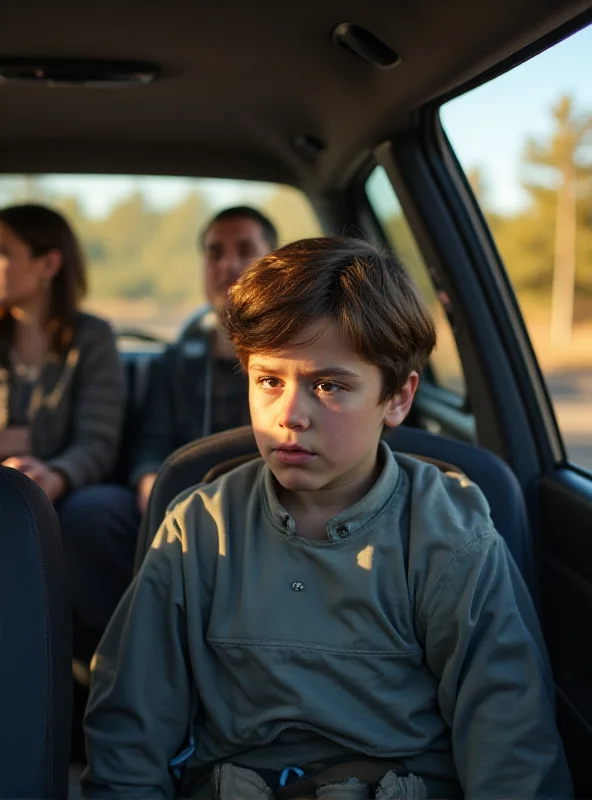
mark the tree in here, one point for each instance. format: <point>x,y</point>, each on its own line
<point>174,256</point>
<point>567,162</point>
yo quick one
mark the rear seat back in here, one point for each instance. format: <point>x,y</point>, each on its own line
<point>35,645</point>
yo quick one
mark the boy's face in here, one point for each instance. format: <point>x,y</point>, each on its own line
<point>316,413</point>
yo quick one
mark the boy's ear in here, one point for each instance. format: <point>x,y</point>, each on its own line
<point>397,408</point>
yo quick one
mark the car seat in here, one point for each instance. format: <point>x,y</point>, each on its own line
<point>206,458</point>
<point>35,645</point>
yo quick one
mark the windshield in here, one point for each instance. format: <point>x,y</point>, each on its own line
<point>140,236</point>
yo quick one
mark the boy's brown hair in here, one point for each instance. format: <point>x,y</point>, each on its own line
<point>365,290</point>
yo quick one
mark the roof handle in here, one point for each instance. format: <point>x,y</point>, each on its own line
<point>364,44</point>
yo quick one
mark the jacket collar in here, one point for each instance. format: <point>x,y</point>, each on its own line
<point>349,522</point>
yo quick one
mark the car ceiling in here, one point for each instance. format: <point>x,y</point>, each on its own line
<point>241,80</point>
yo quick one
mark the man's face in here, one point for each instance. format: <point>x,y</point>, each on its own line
<point>316,412</point>
<point>230,245</point>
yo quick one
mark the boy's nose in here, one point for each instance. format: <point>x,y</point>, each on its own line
<point>293,412</point>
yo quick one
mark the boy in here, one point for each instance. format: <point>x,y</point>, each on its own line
<point>328,608</point>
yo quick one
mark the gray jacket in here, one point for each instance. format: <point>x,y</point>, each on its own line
<point>77,406</point>
<point>408,634</point>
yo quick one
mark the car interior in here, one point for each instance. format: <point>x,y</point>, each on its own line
<point>342,101</point>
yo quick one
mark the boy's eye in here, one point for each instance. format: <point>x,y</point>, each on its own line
<point>328,387</point>
<point>269,383</point>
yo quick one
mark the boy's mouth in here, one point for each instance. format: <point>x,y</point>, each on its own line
<point>293,454</point>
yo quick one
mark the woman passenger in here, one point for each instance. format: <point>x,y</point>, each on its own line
<point>61,383</point>
<point>62,408</point>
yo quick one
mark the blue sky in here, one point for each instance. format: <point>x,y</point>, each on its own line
<point>488,126</point>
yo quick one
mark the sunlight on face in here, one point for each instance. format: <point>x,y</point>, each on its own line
<point>316,413</point>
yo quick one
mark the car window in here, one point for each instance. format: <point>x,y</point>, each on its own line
<point>525,143</point>
<point>445,365</point>
<point>140,236</point>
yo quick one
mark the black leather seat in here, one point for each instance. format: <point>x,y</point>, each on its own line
<point>35,645</point>
<point>192,463</point>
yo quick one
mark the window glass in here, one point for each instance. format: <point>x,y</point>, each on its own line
<point>445,364</point>
<point>140,236</point>
<point>525,143</point>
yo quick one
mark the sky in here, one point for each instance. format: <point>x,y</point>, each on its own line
<point>98,193</point>
<point>487,128</point>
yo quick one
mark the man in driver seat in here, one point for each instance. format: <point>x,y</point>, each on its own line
<point>330,620</point>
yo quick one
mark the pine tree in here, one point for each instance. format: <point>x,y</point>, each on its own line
<point>562,169</point>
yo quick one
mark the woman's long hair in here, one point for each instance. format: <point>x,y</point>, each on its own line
<point>43,229</point>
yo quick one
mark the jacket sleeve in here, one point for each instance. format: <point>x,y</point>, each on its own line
<point>155,438</point>
<point>484,644</point>
<point>97,412</point>
<point>137,718</point>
